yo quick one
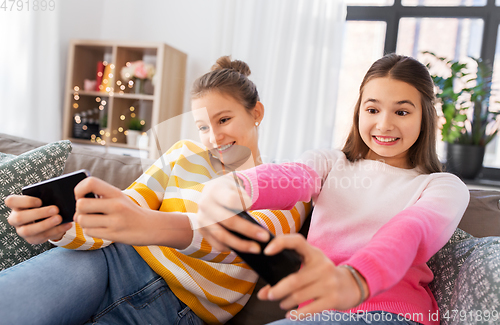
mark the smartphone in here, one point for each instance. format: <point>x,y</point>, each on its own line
<point>59,191</point>
<point>271,268</point>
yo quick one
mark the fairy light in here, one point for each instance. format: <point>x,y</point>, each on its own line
<point>132,115</point>
<point>127,64</point>
<point>84,127</point>
<point>110,75</point>
<point>126,132</point>
<point>105,63</point>
<point>99,74</point>
<point>98,99</point>
<point>132,108</point>
<point>75,105</point>
<point>112,66</point>
<point>143,122</point>
<point>115,139</point>
<point>122,87</point>
<point>92,137</point>
<point>120,129</point>
<point>122,117</point>
<point>76,88</point>
<point>101,133</point>
<point>119,82</point>
<point>103,142</point>
<point>108,134</point>
<point>101,107</point>
<point>103,102</point>
<point>77,97</point>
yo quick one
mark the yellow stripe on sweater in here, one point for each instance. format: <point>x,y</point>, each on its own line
<point>79,239</point>
<point>179,205</point>
<point>159,175</point>
<point>149,195</point>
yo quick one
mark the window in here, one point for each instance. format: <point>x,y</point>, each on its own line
<point>452,28</point>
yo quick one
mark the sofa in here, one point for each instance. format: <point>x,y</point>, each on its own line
<point>467,269</point>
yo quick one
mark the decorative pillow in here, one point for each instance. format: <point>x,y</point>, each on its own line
<point>466,281</point>
<point>16,172</point>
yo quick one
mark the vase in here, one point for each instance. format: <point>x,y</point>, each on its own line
<point>132,137</point>
<point>465,161</point>
<point>139,86</point>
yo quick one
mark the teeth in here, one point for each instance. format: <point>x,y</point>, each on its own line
<point>227,146</point>
<point>385,139</point>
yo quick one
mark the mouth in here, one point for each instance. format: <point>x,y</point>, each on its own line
<point>386,141</point>
<point>225,147</point>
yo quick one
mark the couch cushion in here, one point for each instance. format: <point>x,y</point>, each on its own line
<point>466,277</point>
<point>15,172</point>
<point>482,217</point>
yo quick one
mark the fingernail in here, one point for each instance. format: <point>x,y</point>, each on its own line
<point>270,296</point>
<point>263,236</point>
<point>269,249</point>
<point>255,248</point>
<point>52,211</point>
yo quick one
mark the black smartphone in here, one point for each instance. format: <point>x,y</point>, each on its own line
<point>271,268</point>
<point>59,191</point>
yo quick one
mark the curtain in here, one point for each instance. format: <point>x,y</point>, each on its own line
<point>30,81</point>
<point>293,48</point>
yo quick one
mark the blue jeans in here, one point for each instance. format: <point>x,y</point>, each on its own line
<point>112,285</point>
<point>339,318</point>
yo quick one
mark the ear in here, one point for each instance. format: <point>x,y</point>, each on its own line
<point>258,112</point>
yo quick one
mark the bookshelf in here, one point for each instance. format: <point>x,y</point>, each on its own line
<point>98,111</point>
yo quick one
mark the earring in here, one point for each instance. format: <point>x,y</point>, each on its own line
<point>256,123</point>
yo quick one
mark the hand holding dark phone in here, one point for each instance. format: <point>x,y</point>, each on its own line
<point>271,268</point>
<point>59,191</point>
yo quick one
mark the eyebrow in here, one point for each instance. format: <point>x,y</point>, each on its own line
<point>216,115</point>
<point>401,102</point>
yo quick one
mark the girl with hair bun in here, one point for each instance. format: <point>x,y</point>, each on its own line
<point>171,275</point>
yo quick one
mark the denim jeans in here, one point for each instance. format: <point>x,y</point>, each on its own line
<point>339,318</point>
<point>112,285</point>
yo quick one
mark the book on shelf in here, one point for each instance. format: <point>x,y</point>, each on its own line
<point>106,79</point>
<point>99,75</point>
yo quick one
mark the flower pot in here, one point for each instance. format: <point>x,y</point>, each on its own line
<point>132,137</point>
<point>465,161</point>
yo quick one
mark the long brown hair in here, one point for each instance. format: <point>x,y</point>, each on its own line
<point>229,78</point>
<point>422,153</point>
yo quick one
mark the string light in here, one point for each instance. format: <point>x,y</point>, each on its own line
<point>132,108</point>
<point>108,134</point>
<point>101,133</point>
<point>98,99</point>
<point>77,97</point>
<point>126,132</point>
<point>122,117</point>
<point>143,122</point>
<point>101,107</point>
<point>76,88</point>
<point>120,129</point>
<point>132,115</point>
<point>75,105</point>
<point>119,82</point>
<point>103,102</point>
<point>115,139</point>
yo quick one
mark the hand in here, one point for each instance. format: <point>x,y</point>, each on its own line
<point>115,217</point>
<point>319,280</point>
<point>27,209</point>
<point>219,199</point>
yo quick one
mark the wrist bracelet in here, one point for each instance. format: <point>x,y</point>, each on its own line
<point>358,281</point>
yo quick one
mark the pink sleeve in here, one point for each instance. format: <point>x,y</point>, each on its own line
<point>280,186</point>
<point>413,236</point>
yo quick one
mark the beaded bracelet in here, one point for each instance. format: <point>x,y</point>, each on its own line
<point>358,281</point>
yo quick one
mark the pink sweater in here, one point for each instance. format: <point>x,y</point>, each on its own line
<point>384,221</point>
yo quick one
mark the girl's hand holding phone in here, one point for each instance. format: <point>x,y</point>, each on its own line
<point>26,210</point>
<point>319,280</point>
<point>220,200</point>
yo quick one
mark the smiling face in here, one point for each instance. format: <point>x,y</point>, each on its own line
<point>226,127</point>
<point>390,119</point>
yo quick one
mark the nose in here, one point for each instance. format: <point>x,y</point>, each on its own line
<point>385,122</point>
<point>215,137</point>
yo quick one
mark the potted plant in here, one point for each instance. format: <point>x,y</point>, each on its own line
<point>134,131</point>
<point>469,116</point>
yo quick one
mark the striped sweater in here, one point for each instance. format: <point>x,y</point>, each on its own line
<point>215,285</point>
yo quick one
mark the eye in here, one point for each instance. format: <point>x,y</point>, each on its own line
<point>402,113</point>
<point>371,110</point>
<point>224,120</point>
<point>203,128</point>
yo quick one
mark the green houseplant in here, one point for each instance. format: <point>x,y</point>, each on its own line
<point>469,116</point>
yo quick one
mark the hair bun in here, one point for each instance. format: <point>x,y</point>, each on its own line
<point>224,62</point>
